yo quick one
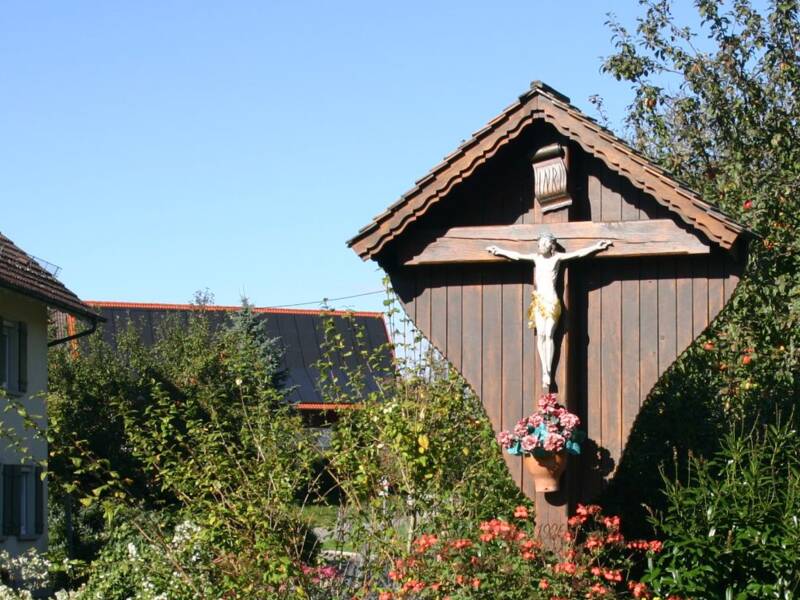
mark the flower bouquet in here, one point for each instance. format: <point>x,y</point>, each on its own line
<point>543,439</point>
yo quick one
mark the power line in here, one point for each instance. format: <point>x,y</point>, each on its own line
<point>326,300</point>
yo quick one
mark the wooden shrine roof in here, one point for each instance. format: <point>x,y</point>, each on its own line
<point>21,273</point>
<point>299,333</point>
<point>543,103</point>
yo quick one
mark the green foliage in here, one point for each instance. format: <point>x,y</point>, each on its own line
<point>733,530</point>
<point>504,559</point>
<point>418,454</point>
<point>720,108</point>
<point>191,433</point>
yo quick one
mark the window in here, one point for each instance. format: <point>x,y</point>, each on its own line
<point>13,356</point>
<point>23,501</point>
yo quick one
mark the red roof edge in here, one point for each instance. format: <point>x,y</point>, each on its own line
<point>269,310</point>
<point>326,406</point>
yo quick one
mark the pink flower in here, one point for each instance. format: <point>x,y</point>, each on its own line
<point>569,420</point>
<point>505,439</point>
<point>521,428</point>
<point>554,442</point>
<point>529,442</point>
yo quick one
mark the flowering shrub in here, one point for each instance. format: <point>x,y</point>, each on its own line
<point>551,429</point>
<point>504,559</point>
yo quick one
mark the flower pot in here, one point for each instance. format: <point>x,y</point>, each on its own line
<point>546,470</point>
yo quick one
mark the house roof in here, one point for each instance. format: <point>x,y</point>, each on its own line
<point>23,274</point>
<point>300,333</point>
<point>543,103</point>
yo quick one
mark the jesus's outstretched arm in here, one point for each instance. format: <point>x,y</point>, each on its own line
<point>511,254</point>
<point>588,250</point>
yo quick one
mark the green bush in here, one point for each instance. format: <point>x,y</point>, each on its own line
<point>502,558</point>
<point>193,433</point>
<point>733,529</point>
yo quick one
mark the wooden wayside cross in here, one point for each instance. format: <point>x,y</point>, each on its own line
<point>543,168</point>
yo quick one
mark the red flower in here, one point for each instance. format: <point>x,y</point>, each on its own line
<point>476,583</point>
<point>748,204</point>
<point>521,512</point>
<point>543,584</point>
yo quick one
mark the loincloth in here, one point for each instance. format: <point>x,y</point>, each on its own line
<point>547,309</point>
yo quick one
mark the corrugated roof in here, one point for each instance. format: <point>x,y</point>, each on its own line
<point>300,333</point>
<point>543,103</point>
<point>23,274</point>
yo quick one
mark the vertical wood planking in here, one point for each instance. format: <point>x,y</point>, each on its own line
<point>594,413</point>
<point>422,304</point>
<point>684,303</point>
<point>648,327</point>
<point>731,276</point>
<point>699,295</point>
<point>454,314</point>
<point>438,283</point>
<point>631,394</point>
<point>491,383</point>
<point>472,329</point>
<point>716,286</point>
<point>611,333</point>
<point>594,192</point>
<point>667,318</point>
<point>529,358</point>
<point>512,357</point>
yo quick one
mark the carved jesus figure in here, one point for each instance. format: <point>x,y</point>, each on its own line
<point>545,308</point>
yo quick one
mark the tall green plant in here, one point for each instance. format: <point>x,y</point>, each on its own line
<point>733,529</point>
<point>418,454</point>
<point>719,107</point>
<point>191,435</point>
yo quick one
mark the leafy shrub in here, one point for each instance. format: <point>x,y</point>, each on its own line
<point>733,530</point>
<point>419,453</point>
<point>194,430</point>
<point>504,559</point>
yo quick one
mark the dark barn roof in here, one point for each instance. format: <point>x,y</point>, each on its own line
<point>300,333</point>
<point>23,274</point>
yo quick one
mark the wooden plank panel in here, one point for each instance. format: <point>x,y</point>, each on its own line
<point>472,329</point>
<point>438,283</point>
<point>454,332</point>
<point>611,366</point>
<point>491,383</point>
<point>631,393</point>
<point>595,195</point>
<point>684,304</point>
<point>630,202</point>
<point>631,238</point>
<point>716,286</point>
<point>594,405</point>
<point>611,201</point>
<point>422,304</point>
<point>667,304</point>
<point>648,327</point>
<point>513,323</point>
<point>699,295</point>
<point>529,362</point>
<point>732,273</point>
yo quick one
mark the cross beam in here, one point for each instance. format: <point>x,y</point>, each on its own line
<point>630,238</point>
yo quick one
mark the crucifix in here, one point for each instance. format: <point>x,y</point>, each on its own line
<point>537,243</point>
<point>545,307</point>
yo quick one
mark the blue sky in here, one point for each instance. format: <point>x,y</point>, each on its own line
<point>151,149</point>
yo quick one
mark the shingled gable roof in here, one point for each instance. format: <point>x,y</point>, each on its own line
<point>543,103</point>
<point>21,273</point>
